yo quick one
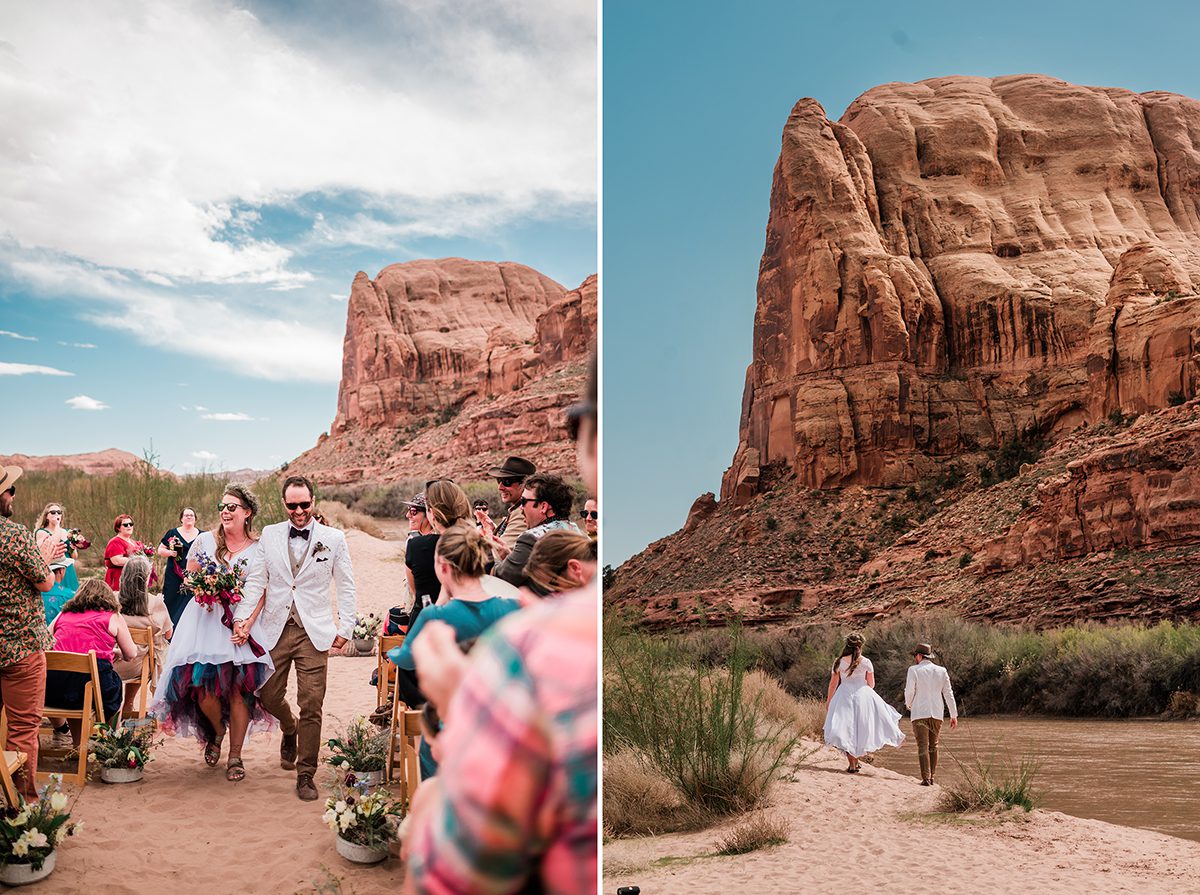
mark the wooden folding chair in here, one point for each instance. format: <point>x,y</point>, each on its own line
<point>13,762</point>
<point>403,763</point>
<point>386,682</point>
<point>90,714</point>
<point>144,638</point>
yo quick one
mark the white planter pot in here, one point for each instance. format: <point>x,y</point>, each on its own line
<point>359,854</point>
<point>121,775</point>
<point>24,874</point>
<point>364,647</point>
<point>370,778</point>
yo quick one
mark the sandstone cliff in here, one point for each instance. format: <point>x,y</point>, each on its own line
<point>104,462</point>
<point>959,262</point>
<point>449,366</point>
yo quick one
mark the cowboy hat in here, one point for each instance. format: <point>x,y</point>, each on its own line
<point>513,468</point>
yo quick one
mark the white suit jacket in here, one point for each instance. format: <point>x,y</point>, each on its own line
<point>326,560</point>
<point>924,689</point>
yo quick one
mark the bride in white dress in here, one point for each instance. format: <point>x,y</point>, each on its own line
<point>857,720</point>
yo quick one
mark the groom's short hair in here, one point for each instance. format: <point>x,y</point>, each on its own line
<point>300,480</point>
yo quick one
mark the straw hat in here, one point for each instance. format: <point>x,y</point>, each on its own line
<point>9,476</point>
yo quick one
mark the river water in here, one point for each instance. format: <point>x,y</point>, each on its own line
<point>1135,773</point>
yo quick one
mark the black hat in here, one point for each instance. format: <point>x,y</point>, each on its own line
<point>513,468</point>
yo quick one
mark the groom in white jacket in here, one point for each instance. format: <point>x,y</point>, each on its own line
<point>925,690</point>
<point>300,558</point>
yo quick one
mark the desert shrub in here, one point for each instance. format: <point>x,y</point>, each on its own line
<point>1183,704</point>
<point>983,785</point>
<point>755,832</point>
<point>805,717</point>
<point>1174,399</point>
<point>691,721</point>
<point>640,801</point>
<point>965,560</point>
<point>341,516</point>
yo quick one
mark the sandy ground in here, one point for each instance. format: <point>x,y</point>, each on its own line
<point>878,830</point>
<point>184,828</point>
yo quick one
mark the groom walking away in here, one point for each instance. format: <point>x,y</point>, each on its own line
<point>300,558</point>
<point>925,688</point>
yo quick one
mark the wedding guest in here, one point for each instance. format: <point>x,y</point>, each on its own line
<point>561,561</point>
<point>514,805</point>
<point>51,527</point>
<point>510,478</point>
<point>546,502</point>
<point>24,576</point>
<point>590,514</point>
<point>445,504</point>
<point>460,562</point>
<point>141,609</point>
<point>90,620</point>
<point>119,549</point>
<point>175,545</point>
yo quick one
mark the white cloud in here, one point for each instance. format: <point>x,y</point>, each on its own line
<point>7,369</point>
<point>4,332</point>
<point>77,344</point>
<point>228,417</point>
<point>83,402</point>
<point>205,456</point>
<point>174,122</point>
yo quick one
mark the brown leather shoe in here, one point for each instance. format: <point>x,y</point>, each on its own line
<point>305,789</point>
<point>287,752</point>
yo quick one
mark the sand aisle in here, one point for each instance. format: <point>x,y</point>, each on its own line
<point>186,829</point>
<point>874,832</point>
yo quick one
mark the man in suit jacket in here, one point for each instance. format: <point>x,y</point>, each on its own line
<point>301,557</point>
<point>925,689</point>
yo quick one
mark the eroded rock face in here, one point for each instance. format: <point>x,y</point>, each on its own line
<point>967,260</point>
<point>105,462</point>
<point>451,365</point>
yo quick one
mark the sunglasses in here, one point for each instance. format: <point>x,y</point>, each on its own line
<point>223,507</point>
<point>11,492</point>
<point>416,511</point>
<point>126,525</point>
<point>575,414</point>
<point>433,482</point>
<point>589,514</point>
<point>299,505</point>
<point>54,512</point>
<point>525,500</point>
<point>509,482</point>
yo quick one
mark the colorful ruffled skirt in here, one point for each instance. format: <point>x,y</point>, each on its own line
<point>203,661</point>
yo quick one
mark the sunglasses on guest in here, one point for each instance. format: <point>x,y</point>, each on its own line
<point>54,512</point>
<point>415,511</point>
<point>589,514</point>
<point>509,482</point>
<point>525,500</point>
<point>126,525</point>
<point>298,504</point>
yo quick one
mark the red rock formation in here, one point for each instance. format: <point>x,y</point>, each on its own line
<point>451,365</point>
<point>104,462</point>
<point>946,268</point>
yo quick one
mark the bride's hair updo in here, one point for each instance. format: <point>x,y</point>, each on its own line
<point>853,649</point>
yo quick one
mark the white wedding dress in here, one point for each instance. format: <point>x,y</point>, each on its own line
<point>858,720</point>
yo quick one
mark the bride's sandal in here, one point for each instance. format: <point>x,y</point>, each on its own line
<point>235,770</point>
<point>212,753</point>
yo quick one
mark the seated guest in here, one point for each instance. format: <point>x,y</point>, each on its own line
<point>590,514</point>
<point>141,609</point>
<point>546,503</point>
<point>561,561</point>
<point>90,620</point>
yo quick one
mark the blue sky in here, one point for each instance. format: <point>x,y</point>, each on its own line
<point>695,98</point>
<point>187,190</point>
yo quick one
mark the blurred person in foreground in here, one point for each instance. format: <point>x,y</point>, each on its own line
<point>24,576</point>
<point>513,807</point>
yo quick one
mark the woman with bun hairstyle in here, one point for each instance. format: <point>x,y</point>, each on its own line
<point>460,562</point>
<point>857,720</point>
<point>561,561</point>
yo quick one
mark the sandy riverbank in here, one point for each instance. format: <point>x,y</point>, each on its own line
<point>186,829</point>
<point>878,830</point>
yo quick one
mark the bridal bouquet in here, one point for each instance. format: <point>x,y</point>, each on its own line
<point>76,541</point>
<point>144,549</point>
<point>214,585</point>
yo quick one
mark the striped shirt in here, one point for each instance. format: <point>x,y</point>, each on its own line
<point>518,778</point>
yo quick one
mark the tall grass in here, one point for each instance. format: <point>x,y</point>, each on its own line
<point>982,785</point>
<point>1088,670</point>
<point>691,721</point>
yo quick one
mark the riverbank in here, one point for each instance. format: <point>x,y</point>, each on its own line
<point>881,829</point>
<point>186,829</point>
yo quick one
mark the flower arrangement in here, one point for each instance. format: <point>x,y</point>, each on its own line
<point>366,627</point>
<point>369,820</point>
<point>122,747</point>
<point>359,748</point>
<point>35,831</point>
<point>215,585</point>
<point>76,541</point>
<point>144,549</point>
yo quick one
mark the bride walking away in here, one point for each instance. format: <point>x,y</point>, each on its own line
<point>857,720</point>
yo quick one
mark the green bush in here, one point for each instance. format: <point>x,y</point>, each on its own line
<point>983,785</point>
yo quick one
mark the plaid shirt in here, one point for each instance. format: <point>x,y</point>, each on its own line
<point>22,613</point>
<point>517,783</point>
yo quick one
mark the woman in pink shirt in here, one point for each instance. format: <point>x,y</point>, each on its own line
<point>90,620</point>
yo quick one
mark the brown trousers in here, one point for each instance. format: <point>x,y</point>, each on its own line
<point>294,648</point>
<point>927,731</point>
<point>23,693</point>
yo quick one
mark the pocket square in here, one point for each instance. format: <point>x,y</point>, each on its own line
<point>323,559</point>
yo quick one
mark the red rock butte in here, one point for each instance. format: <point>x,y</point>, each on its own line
<point>965,261</point>
<point>450,364</point>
